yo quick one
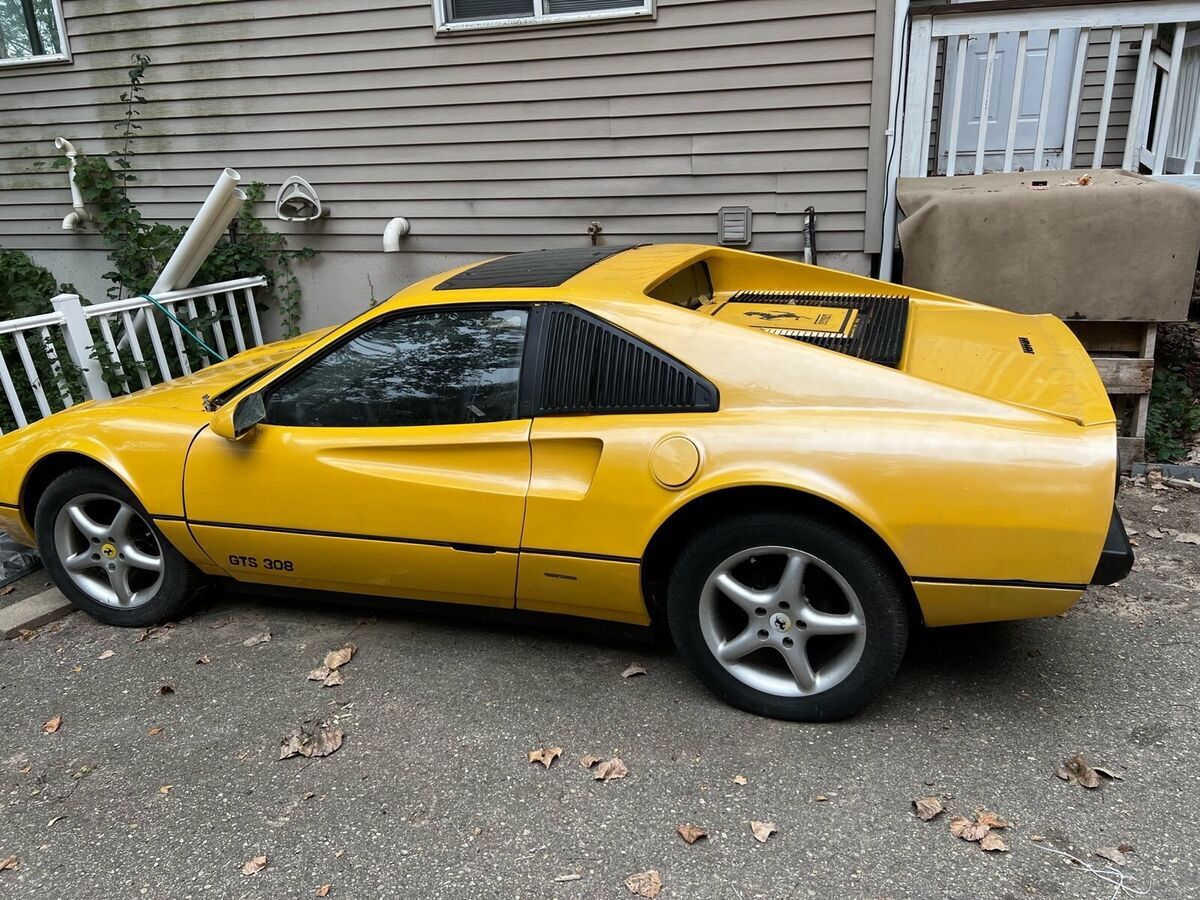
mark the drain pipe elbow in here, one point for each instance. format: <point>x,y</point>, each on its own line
<point>74,219</point>
<point>392,233</point>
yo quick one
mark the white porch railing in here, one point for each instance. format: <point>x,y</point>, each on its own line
<point>1037,56</point>
<point>224,315</point>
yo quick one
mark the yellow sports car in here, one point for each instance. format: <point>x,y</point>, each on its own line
<point>788,467</point>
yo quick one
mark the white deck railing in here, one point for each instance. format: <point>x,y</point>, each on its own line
<point>1159,100</point>
<point>224,315</point>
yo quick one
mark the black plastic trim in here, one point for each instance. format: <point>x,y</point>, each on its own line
<point>10,506</point>
<point>1003,582</point>
<point>532,269</point>
<point>1116,559</point>
<point>582,365</point>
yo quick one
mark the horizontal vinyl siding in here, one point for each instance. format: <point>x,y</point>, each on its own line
<point>1092,96</point>
<point>493,141</point>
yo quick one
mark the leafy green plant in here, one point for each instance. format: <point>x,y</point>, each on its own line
<point>1174,416</point>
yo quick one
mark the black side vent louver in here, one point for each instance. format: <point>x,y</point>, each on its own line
<point>878,335</point>
<point>591,367</point>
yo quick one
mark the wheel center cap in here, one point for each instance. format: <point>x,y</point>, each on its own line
<point>780,622</point>
<point>109,551</point>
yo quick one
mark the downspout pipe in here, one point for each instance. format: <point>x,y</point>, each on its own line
<point>73,220</point>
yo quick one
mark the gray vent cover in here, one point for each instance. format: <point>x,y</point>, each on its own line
<point>735,225</point>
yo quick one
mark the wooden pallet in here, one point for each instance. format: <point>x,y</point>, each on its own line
<point>1124,357</point>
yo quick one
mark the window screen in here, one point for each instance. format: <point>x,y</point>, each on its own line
<point>435,367</point>
<point>28,30</point>
<point>576,6</point>
<point>489,9</point>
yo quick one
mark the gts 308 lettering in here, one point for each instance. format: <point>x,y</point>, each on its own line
<point>253,562</point>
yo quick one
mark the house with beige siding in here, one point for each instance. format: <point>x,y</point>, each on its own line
<point>502,125</point>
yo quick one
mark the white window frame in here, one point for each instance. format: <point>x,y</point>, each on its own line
<point>443,24</point>
<point>61,57</point>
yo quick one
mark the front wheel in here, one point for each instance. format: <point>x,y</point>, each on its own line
<point>786,617</point>
<point>104,553</point>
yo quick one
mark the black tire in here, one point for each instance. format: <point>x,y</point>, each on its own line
<point>180,580</point>
<point>853,559</point>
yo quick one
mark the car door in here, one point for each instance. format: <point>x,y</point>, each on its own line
<point>395,463</point>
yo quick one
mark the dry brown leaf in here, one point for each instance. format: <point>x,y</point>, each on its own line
<point>51,725</point>
<point>1187,537</point>
<point>76,669</point>
<point>993,841</point>
<point>25,770</point>
<point>9,862</point>
<point>162,632</point>
<point>320,673</point>
<point>546,756</point>
<point>257,639</point>
<point>633,669</point>
<point>166,789</point>
<point>107,654</point>
<point>968,829</point>
<point>645,884</point>
<point>26,634</point>
<point>8,590</point>
<point>928,808</point>
<point>154,730</point>
<point>1113,854</point>
<point>740,779</point>
<point>990,819</point>
<point>333,679</point>
<point>254,866</point>
<point>322,891</point>
<point>1077,771</point>
<point>203,660</point>
<point>335,659</point>
<point>691,833</point>
<point>571,876</point>
<point>821,798</point>
<point>310,740</point>
<point>590,760</point>
<point>166,689</point>
<point>610,770</point>
<point>763,830</point>
<point>1108,773</point>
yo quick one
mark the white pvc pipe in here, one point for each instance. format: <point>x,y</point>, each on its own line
<point>79,213</point>
<point>392,232</point>
<point>202,235</point>
<point>211,235</point>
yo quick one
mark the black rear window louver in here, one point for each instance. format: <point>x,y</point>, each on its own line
<point>592,367</point>
<point>878,334</point>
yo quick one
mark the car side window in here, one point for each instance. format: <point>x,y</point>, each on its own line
<point>433,367</point>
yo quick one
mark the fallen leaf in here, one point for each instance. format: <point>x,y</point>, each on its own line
<point>162,632</point>
<point>106,654</point>
<point>166,689</point>
<point>322,891</point>
<point>257,639</point>
<point>26,634</point>
<point>8,590</point>
<point>335,659</point>
<point>50,824</point>
<point>1187,537</point>
<point>993,841</point>
<point>166,789</point>
<point>645,884</point>
<point>333,679</point>
<point>203,660</point>
<point>77,669</point>
<point>1108,773</point>
<point>568,877</point>
<point>928,808</point>
<point>51,725</point>
<point>1158,508</point>
<point>546,756</point>
<point>610,770</point>
<point>254,866</point>
<point>308,795</point>
<point>154,730</point>
<point>763,830</point>
<point>691,833</point>
<point>339,853</point>
<point>590,760</point>
<point>1156,534</point>
<point>320,673</point>
<point>968,829</point>
<point>310,741</point>
<point>740,779</point>
<point>1112,854</point>
<point>634,669</point>
<point>9,862</point>
<point>1077,771</point>
<point>25,770</point>
<point>991,820</point>
<point>1037,838</point>
<point>821,798</point>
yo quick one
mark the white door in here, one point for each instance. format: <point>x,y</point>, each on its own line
<point>1000,107</point>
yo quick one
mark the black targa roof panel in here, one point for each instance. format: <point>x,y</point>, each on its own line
<point>535,269</point>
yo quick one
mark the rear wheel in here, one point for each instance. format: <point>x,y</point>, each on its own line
<point>105,554</point>
<point>786,617</point>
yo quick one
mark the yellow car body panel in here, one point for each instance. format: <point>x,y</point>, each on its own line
<point>986,470</point>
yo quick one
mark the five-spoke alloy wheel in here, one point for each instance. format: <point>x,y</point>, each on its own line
<point>786,616</point>
<point>106,555</point>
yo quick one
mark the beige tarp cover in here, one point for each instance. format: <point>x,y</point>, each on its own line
<point>1121,247</point>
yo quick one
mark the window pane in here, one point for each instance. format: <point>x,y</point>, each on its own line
<point>574,6</point>
<point>28,29</point>
<point>489,9</point>
<point>441,367</point>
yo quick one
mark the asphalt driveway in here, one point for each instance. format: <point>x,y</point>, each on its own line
<point>146,793</point>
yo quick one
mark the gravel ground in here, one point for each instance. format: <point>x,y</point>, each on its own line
<point>431,794</point>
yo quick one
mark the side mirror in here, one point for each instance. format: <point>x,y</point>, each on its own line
<point>236,422</point>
